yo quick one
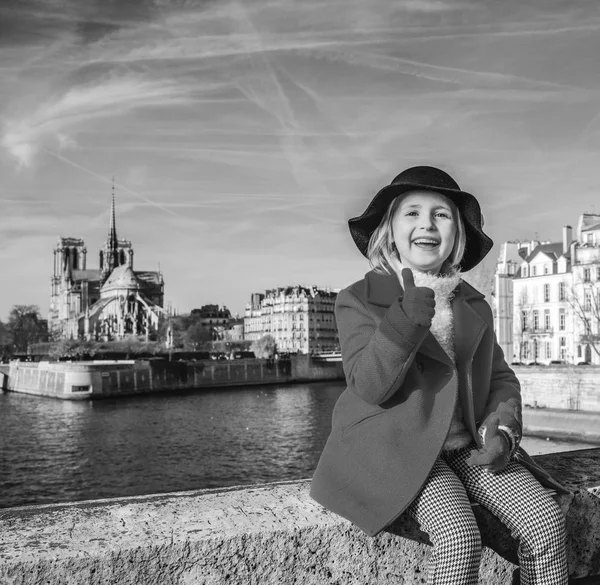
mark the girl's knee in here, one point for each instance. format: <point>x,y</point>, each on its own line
<point>460,537</point>
<point>547,526</point>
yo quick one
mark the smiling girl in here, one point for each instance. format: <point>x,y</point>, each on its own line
<point>430,420</point>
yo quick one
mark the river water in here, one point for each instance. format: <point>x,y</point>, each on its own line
<point>57,451</point>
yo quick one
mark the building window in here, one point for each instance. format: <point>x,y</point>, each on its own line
<point>587,301</point>
<point>597,272</point>
<point>548,350</point>
<point>526,350</point>
<point>533,270</point>
<point>561,291</point>
<point>523,320</point>
<point>536,350</point>
<point>562,341</point>
<point>546,319</point>
<point>524,271</point>
<point>546,293</point>
<point>562,318</point>
<point>536,320</point>
<point>546,269</point>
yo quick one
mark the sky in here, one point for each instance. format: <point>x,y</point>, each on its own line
<point>242,135</point>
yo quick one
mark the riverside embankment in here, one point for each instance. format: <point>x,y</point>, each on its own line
<point>98,379</point>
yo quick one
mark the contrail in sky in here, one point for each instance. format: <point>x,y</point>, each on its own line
<point>106,180</point>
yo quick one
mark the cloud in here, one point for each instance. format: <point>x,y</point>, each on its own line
<point>50,122</point>
<point>430,6</point>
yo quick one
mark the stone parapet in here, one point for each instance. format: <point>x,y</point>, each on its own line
<point>267,534</point>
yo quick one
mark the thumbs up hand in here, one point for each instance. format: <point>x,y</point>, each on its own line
<point>418,302</point>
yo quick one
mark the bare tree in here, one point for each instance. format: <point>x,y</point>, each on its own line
<point>523,325</point>
<point>584,300</point>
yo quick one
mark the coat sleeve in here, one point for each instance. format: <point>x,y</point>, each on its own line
<point>375,358</point>
<point>504,399</point>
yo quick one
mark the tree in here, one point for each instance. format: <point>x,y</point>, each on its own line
<point>523,326</point>
<point>26,326</point>
<point>584,300</point>
<point>73,349</point>
<point>6,347</point>
<point>178,325</point>
<point>195,336</point>
<point>265,347</point>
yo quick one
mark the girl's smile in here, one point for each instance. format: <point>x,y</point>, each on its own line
<point>424,230</point>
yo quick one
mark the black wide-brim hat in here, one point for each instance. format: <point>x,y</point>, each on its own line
<point>425,178</point>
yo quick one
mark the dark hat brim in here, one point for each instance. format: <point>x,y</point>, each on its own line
<point>478,244</point>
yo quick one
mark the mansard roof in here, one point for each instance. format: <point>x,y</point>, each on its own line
<point>590,222</point>
<point>554,251</point>
<point>306,291</point>
<point>591,227</point>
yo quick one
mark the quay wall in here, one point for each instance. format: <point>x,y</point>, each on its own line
<point>560,386</point>
<point>97,379</point>
<point>265,534</point>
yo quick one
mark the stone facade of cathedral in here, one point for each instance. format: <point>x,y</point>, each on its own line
<point>108,303</point>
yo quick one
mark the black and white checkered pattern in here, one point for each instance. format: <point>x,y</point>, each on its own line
<point>514,496</point>
<point>443,510</point>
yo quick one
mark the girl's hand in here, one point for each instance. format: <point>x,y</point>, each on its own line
<point>418,302</point>
<point>495,454</point>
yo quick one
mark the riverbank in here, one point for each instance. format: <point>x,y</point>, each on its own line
<point>109,378</point>
<point>554,423</point>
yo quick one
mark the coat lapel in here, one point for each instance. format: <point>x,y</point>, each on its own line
<point>469,326</point>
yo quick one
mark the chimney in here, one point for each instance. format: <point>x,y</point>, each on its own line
<point>567,238</point>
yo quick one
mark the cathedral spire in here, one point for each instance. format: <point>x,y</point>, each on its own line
<point>113,243</point>
<point>111,248</point>
<point>112,230</point>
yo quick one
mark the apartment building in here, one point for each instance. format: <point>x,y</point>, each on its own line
<point>301,319</point>
<point>547,297</point>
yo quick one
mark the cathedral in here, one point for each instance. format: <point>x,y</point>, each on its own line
<point>108,303</point>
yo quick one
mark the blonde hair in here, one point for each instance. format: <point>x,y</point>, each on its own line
<point>382,249</point>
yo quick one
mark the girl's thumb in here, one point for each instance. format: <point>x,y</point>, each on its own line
<point>408,278</point>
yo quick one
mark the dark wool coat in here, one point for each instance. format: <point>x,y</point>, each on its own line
<point>390,423</point>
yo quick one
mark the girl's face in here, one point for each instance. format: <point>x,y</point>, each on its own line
<point>424,230</point>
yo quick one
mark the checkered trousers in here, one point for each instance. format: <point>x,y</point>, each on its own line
<point>443,510</point>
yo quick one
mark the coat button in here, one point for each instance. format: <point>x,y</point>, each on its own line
<point>420,367</point>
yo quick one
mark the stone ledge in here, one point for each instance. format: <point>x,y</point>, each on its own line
<point>267,534</point>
